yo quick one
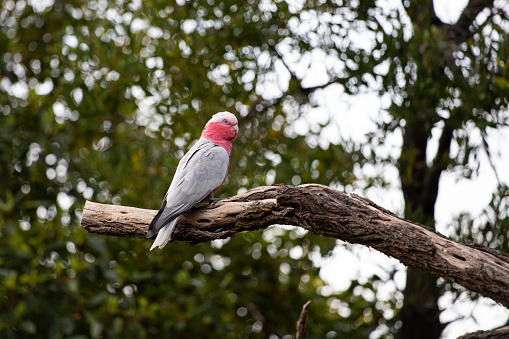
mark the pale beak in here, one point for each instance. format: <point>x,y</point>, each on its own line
<point>236,128</point>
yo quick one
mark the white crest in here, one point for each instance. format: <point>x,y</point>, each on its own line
<point>218,117</point>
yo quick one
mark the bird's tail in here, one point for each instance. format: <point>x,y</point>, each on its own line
<point>164,235</point>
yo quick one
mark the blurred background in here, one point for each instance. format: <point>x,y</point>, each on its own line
<point>404,102</point>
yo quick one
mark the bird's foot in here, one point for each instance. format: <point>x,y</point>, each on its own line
<point>213,201</point>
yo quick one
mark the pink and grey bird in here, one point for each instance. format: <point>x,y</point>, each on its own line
<point>199,175</point>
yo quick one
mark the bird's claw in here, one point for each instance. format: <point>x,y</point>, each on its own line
<point>213,201</point>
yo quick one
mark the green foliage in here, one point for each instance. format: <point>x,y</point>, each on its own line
<point>99,100</point>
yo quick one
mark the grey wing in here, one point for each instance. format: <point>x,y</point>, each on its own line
<point>199,173</point>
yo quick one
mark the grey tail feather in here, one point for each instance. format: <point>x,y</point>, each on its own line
<point>155,226</point>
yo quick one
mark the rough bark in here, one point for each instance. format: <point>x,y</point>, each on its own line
<point>328,213</point>
<point>498,333</point>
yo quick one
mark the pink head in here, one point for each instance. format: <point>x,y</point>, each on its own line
<point>221,129</point>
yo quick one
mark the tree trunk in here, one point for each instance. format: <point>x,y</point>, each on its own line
<point>420,312</point>
<point>419,183</point>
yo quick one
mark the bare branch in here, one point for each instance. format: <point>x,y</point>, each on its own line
<point>444,145</point>
<point>302,323</point>
<point>486,147</point>
<point>325,212</point>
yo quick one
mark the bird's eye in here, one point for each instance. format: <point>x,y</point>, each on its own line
<point>226,122</point>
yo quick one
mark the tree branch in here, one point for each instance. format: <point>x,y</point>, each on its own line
<point>441,159</point>
<point>326,212</point>
<point>498,333</point>
<point>302,323</point>
<point>460,31</point>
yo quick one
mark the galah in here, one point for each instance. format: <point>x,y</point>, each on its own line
<point>199,175</point>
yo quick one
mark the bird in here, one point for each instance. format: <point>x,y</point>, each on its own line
<point>200,173</point>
